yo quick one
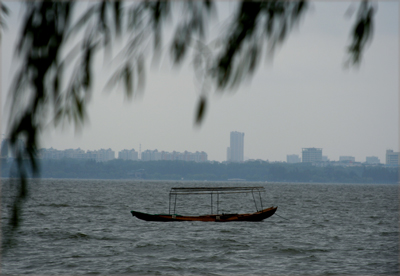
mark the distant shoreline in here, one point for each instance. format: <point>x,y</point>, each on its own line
<point>205,181</point>
<point>261,172</point>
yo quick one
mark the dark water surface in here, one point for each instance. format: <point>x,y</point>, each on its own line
<point>85,227</point>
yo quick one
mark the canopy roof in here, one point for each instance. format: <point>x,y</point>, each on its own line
<point>216,190</point>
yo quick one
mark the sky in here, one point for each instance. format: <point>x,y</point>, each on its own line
<point>303,98</point>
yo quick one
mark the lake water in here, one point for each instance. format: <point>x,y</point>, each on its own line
<point>85,227</point>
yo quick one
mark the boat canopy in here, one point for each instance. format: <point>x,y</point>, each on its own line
<point>214,191</point>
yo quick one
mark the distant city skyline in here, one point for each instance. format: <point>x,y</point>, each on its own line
<point>104,155</point>
<point>303,98</point>
<point>308,154</point>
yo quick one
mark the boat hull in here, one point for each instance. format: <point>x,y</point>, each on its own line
<point>257,216</point>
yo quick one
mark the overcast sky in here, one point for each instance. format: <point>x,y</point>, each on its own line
<point>304,98</point>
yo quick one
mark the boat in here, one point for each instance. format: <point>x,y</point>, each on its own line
<point>259,215</point>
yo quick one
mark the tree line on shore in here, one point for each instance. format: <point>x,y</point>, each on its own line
<point>210,171</point>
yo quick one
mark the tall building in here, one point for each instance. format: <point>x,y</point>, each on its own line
<point>372,160</point>
<point>151,155</point>
<point>347,159</point>
<point>236,150</point>
<point>155,155</point>
<point>102,155</point>
<point>310,155</point>
<point>201,156</point>
<point>293,158</point>
<point>74,153</point>
<point>228,153</point>
<point>392,158</point>
<point>128,154</point>
<point>325,158</point>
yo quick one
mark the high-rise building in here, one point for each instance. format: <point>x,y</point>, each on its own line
<point>155,155</point>
<point>236,149</point>
<point>347,159</point>
<point>372,160</point>
<point>101,155</point>
<point>392,158</point>
<point>128,154</point>
<point>293,158</point>
<point>310,155</point>
<point>151,155</point>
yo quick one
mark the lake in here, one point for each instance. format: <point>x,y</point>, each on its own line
<point>85,227</point>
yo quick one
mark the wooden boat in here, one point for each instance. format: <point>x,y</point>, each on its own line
<point>218,217</point>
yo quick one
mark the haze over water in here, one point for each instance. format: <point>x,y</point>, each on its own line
<point>85,227</point>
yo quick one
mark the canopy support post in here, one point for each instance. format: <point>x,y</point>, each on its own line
<point>217,203</point>
<point>252,192</point>
<point>169,204</point>
<point>211,203</point>
<point>175,204</point>
<point>259,193</point>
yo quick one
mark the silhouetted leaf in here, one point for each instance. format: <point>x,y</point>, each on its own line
<point>117,16</point>
<point>361,33</point>
<point>180,43</point>
<point>4,9</point>
<point>128,77</point>
<point>253,57</point>
<point>201,108</point>
<point>141,73</point>
<point>82,21</point>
